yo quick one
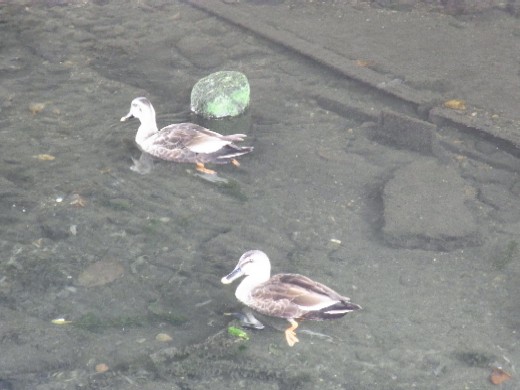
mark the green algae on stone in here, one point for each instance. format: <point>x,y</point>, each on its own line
<point>476,358</point>
<point>118,204</point>
<point>166,313</point>
<point>93,323</point>
<point>506,256</point>
<point>219,357</point>
<point>221,94</point>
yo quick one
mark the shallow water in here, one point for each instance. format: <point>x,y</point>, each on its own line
<point>311,195</point>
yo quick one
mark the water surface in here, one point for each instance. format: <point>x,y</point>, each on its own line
<point>311,195</point>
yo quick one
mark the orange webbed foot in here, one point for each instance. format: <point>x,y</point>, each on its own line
<point>235,162</point>
<point>290,335</point>
<point>201,168</point>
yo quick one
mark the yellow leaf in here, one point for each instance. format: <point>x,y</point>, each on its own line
<point>44,157</point>
<point>455,104</point>
<point>60,321</point>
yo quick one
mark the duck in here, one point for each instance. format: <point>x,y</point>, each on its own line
<point>183,142</point>
<point>293,297</point>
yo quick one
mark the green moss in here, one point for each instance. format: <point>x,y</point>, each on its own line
<point>229,106</point>
<point>241,96</point>
<point>182,222</point>
<point>221,94</point>
<point>506,256</point>
<point>163,313</point>
<point>220,356</point>
<point>118,204</point>
<point>152,227</point>
<point>476,359</point>
<point>232,188</point>
<point>93,323</point>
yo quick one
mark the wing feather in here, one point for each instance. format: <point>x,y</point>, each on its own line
<point>293,296</point>
<point>196,138</point>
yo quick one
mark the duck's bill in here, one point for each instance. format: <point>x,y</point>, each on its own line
<point>126,117</point>
<point>235,274</point>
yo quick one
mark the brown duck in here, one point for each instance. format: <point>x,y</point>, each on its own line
<point>183,142</point>
<point>290,296</point>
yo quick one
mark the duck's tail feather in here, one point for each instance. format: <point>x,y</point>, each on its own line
<point>234,151</point>
<point>337,310</point>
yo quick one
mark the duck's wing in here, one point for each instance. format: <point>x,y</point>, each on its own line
<point>293,295</point>
<point>198,139</point>
<point>308,292</point>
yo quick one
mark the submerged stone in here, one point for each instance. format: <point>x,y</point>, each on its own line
<point>425,207</point>
<point>100,273</point>
<point>221,94</point>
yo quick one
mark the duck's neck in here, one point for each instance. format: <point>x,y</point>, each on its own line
<point>146,130</point>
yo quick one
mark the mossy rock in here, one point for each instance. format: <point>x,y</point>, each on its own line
<point>221,94</point>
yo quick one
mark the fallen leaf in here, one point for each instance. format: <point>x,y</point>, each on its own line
<point>455,104</point>
<point>44,157</point>
<point>499,376</point>
<point>365,63</point>
<point>78,200</point>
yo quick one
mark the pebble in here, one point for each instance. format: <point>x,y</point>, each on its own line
<point>101,367</point>
<point>221,94</point>
<point>163,337</point>
<point>36,108</point>
<point>100,273</point>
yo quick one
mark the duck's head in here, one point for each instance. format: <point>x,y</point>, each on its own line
<point>142,109</point>
<point>253,263</point>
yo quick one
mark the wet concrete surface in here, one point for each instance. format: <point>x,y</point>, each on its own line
<point>417,55</point>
